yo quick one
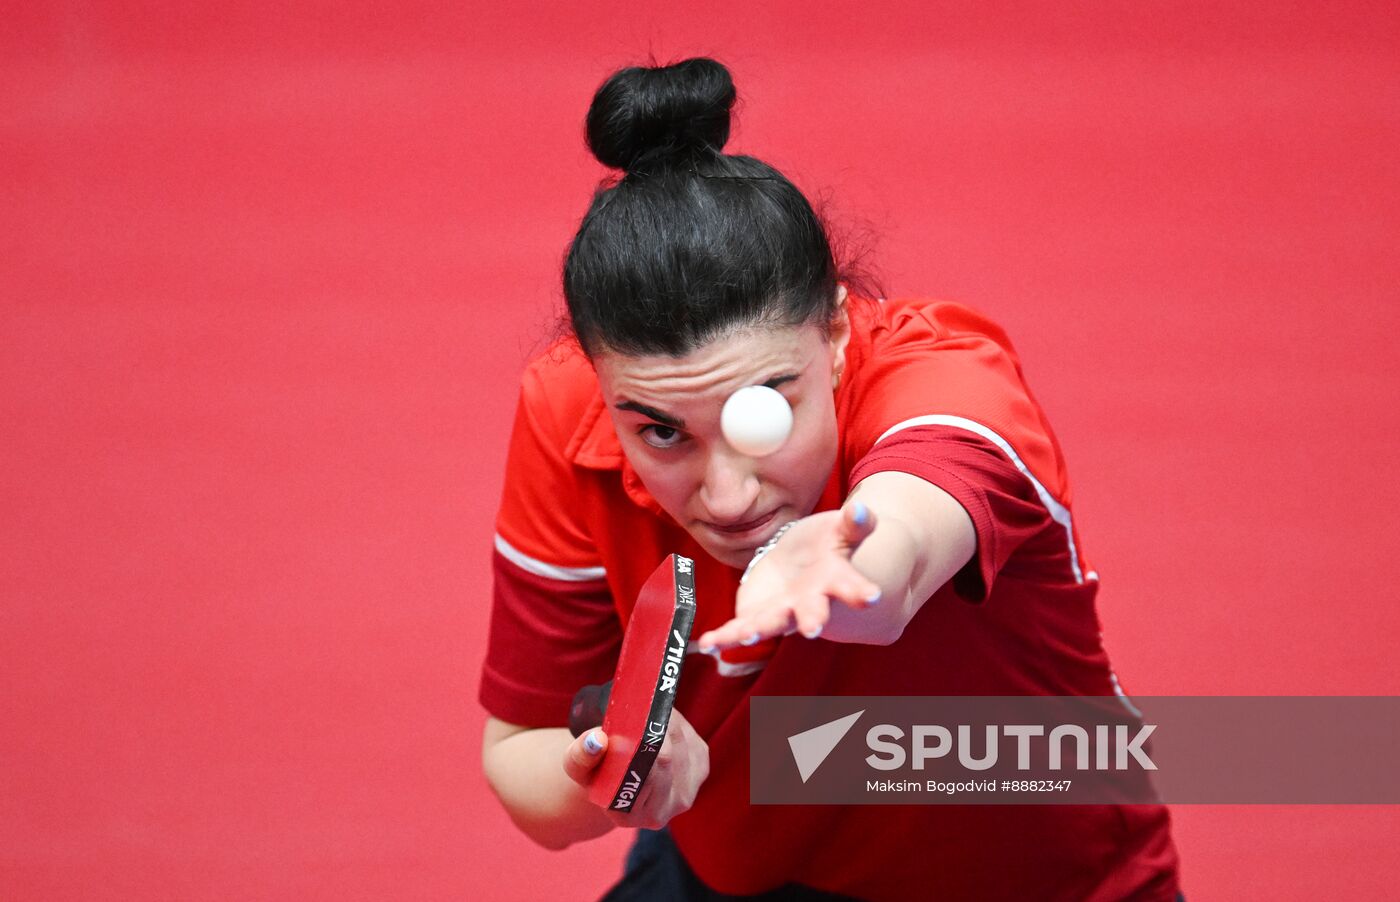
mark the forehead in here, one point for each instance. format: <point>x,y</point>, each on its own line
<point>719,367</point>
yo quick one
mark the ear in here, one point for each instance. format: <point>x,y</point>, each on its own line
<point>840,330</point>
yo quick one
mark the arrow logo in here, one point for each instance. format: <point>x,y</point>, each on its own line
<point>810,747</point>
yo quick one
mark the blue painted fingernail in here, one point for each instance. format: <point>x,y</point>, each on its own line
<point>749,639</point>
<point>814,633</point>
<point>873,598</point>
<point>591,745</point>
<point>707,649</point>
<point>861,514</point>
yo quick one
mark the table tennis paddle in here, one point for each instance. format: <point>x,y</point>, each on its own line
<point>635,706</point>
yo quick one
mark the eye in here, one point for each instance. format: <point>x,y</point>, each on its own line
<point>659,436</point>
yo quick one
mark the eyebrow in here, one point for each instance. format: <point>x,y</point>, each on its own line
<point>676,422</point>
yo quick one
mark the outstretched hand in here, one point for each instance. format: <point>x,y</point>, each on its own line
<point>792,587</point>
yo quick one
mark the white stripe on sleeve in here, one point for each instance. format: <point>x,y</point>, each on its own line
<point>1058,512</point>
<point>548,571</point>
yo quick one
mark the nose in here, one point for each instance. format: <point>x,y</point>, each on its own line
<point>730,487</point>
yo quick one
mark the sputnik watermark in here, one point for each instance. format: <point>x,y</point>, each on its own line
<point>888,754</point>
<point>1111,747</point>
<point>1074,750</point>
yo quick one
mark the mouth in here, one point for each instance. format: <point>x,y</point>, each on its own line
<point>740,532</point>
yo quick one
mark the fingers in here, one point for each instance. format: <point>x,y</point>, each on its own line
<point>857,522</point>
<point>584,754</point>
<point>807,616</point>
<point>792,589</point>
<point>682,766</point>
<point>855,591</point>
<point>739,631</point>
<point>771,622</point>
<point>811,614</point>
<point>642,814</point>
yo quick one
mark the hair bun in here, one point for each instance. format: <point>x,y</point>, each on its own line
<point>669,111</point>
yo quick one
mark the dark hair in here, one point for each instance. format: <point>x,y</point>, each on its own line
<point>689,243</point>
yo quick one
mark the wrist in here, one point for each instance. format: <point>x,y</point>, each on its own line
<point>765,548</point>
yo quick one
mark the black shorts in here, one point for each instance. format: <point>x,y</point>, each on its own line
<point>655,870</point>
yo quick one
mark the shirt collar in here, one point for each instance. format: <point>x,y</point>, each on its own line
<point>595,446</point>
<point>594,443</point>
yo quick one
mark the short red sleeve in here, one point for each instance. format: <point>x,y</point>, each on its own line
<point>548,637</point>
<point>939,363</point>
<point>1002,502</point>
<point>554,626</point>
<point>541,513</point>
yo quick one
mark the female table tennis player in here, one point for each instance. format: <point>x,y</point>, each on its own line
<point>926,543</point>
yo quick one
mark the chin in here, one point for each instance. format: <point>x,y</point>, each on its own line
<point>737,558</point>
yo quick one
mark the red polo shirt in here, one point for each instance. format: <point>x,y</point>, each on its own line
<point>932,389</point>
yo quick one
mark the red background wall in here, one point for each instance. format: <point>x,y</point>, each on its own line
<point>268,273</point>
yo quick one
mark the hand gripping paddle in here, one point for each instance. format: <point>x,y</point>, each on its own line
<point>635,706</point>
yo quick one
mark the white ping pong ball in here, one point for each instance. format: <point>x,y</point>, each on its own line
<point>756,420</point>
